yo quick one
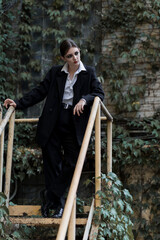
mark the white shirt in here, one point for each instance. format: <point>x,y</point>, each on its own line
<point>68,90</point>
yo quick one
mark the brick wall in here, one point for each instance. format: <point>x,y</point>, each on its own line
<point>150,102</point>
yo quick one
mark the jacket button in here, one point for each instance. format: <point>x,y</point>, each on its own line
<point>51,109</point>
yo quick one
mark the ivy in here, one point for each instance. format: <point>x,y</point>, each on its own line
<point>142,150</point>
<point>114,214</point>
<point>130,45</point>
<point>136,147</point>
<point>7,231</point>
<point>22,31</point>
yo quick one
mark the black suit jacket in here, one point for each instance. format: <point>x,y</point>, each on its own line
<point>87,86</point>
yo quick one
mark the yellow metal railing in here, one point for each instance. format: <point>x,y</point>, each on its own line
<point>94,118</point>
<point>68,220</point>
<point>10,116</point>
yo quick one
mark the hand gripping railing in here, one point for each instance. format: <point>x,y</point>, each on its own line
<point>68,217</point>
<point>9,116</point>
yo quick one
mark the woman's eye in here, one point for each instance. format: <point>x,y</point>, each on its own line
<point>69,56</point>
<point>76,53</point>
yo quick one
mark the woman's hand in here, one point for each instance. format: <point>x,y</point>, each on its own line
<point>9,102</point>
<point>79,107</point>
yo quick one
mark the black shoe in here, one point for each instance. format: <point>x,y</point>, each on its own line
<point>58,213</point>
<point>44,206</point>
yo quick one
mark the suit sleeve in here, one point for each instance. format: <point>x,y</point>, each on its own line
<point>36,95</point>
<point>95,89</point>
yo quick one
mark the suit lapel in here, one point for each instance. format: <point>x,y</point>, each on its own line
<point>61,80</point>
<point>80,83</point>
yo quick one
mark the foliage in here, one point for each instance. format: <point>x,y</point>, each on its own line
<point>136,161</point>
<point>7,231</point>
<point>80,205</point>
<point>22,36</point>
<point>143,149</point>
<point>28,162</point>
<point>3,216</point>
<point>130,67</point>
<point>114,214</point>
<point>131,44</point>
<point>33,30</point>
<point>27,157</point>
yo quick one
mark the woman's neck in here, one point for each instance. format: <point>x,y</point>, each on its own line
<point>72,70</point>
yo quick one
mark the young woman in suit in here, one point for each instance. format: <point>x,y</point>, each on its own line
<point>69,91</point>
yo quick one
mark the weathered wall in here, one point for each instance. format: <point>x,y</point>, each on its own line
<point>138,178</point>
<point>43,48</point>
<point>150,104</point>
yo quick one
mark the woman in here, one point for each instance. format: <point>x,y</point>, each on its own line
<point>69,91</point>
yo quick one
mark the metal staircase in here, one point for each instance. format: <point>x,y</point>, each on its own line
<point>67,224</point>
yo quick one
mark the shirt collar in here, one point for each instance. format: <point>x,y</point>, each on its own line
<point>81,68</point>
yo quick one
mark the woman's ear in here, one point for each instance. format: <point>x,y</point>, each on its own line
<point>63,58</point>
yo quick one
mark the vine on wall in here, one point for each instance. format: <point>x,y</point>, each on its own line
<point>22,31</point>
<point>27,29</point>
<point>130,44</point>
<point>131,32</point>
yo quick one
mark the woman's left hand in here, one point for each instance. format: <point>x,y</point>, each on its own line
<point>79,107</point>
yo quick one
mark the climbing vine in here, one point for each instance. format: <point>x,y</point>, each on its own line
<point>129,67</point>
<point>114,214</point>
<point>7,231</point>
<point>129,64</point>
<point>25,40</point>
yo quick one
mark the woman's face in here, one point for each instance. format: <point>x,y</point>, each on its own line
<point>72,57</point>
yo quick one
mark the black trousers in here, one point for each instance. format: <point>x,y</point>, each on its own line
<point>60,157</point>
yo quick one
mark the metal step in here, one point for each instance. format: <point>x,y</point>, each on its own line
<point>33,221</point>
<point>31,210</point>
<point>31,216</point>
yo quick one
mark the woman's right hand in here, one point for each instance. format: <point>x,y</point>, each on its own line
<point>9,102</point>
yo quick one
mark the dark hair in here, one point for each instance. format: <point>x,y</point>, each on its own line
<point>66,45</point>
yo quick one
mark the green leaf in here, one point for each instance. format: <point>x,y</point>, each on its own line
<point>127,195</point>
<point>2,198</point>
<point>129,209</point>
<point>107,232</point>
<point>105,213</point>
<point>120,203</point>
<point>113,212</point>
<point>126,237</point>
<point>120,229</point>
<point>16,235</point>
<point>4,211</point>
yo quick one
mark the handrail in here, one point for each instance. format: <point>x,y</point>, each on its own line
<point>9,116</point>
<point>6,119</point>
<point>68,218</point>
<point>35,120</point>
<point>1,151</point>
<point>106,112</point>
<point>77,173</point>
<point>26,120</point>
